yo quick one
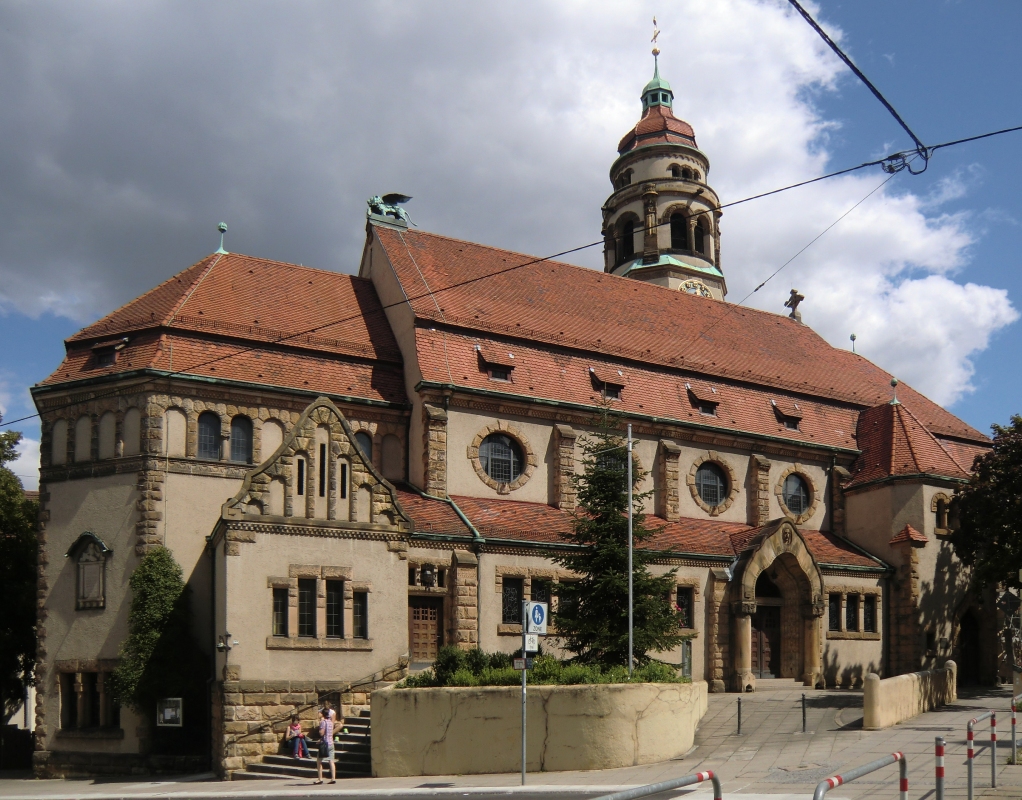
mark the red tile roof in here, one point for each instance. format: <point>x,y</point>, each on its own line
<point>242,314</point>
<point>894,442</point>
<point>544,524</point>
<point>909,534</point>
<point>658,125</point>
<point>560,308</point>
<point>430,514</point>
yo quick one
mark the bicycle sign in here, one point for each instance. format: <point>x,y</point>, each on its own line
<point>536,617</point>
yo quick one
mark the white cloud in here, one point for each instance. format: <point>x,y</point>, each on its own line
<point>26,465</point>
<point>134,138</point>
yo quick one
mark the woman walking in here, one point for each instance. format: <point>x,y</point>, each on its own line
<point>326,746</point>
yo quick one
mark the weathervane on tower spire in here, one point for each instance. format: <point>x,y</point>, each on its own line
<point>656,33</point>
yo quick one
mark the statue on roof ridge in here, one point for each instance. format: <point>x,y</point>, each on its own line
<point>389,206</point>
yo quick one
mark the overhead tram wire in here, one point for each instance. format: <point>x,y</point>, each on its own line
<point>923,151</point>
<point>888,164</point>
<point>731,307</point>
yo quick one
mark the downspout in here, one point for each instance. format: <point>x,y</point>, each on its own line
<point>214,724</point>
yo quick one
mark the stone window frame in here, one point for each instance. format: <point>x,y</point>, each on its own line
<point>937,530</point>
<point>321,574</point>
<point>106,726</point>
<point>526,574</point>
<point>862,592</point>
<point>529,456</point>
<point>416,563</point>
<point>75,552</point>
<point>693,583</point>
<point>713,457</point>
<point>814,493</point>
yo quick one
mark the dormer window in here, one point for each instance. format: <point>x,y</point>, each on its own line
<point>704,401</point>
<point>788,414</point>
<point>495,362</point>
<point>608,382</point>
<point>104,354</point>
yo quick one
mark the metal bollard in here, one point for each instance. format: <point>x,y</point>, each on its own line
<point>1015,749</point>
<point>993,749</point>
<point>837,780</point>
<point>803,712</point>
<point>938,750</point>
<point>739,716</point>
<point>971,752</point>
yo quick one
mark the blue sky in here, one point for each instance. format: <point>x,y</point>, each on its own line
<point>126,139</point>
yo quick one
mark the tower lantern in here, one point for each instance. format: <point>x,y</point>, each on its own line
<point>661,223</point>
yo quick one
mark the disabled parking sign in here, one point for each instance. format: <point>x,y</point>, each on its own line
<point>536,617</point>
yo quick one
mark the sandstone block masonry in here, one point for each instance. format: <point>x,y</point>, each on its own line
<point>254,715</point>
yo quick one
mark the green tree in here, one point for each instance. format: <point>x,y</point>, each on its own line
<point>989,534</point>
<point>17,582</point>
<point>159,658</point>
<point>592,619</point>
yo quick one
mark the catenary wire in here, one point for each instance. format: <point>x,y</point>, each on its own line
<point>920,147</point>
<point>892,164</point>
<point>740,303</point>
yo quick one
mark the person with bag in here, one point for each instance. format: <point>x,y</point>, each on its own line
<point>326,746</point>
<point>295,735</point>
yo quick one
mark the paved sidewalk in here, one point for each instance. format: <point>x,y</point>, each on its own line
<point>772,758</point>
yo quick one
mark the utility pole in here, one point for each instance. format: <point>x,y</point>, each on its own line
<point>628,480</point>
<point>525,627</point>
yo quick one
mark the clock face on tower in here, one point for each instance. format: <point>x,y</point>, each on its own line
<point>695,286</point>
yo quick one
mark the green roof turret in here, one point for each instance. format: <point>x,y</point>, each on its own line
<point>658,91</point>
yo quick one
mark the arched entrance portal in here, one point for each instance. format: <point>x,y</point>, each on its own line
<point>777,602</point>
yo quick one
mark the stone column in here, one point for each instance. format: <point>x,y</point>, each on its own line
<point>813,675</point>
<point>434,450</point>
<point>669,479</point>
<point>564,467</point>
<point>465,590</point>
<point>650,250</point>
<point>718,631</point>
<point>80,700</point>
<point>743,678</point>
<point>759,490</point>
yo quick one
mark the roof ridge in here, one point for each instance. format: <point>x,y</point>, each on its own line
<point>935,440</point>
<point>167,320</point>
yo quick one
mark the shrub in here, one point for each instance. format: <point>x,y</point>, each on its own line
<point>455,667</point>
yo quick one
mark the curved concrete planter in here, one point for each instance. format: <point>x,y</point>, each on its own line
<point>460,731</point>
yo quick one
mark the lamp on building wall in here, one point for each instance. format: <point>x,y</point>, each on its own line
<point>427,575</point>
<point>222,643</point>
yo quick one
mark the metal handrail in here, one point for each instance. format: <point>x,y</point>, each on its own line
<point>656,788</point>
<point>971,754</point>
<point>826,785</point>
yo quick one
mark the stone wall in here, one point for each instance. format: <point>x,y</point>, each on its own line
<point>255,714</point>
<point>440,731</point>
<point>888,702</point>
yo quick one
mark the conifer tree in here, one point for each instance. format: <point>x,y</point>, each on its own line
<point>592,615</point>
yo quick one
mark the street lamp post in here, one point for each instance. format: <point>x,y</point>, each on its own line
<point>628,481</point>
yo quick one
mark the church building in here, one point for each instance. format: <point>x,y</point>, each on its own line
<point>356,469</point>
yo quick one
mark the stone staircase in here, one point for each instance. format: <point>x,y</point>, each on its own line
<point>351,752</point>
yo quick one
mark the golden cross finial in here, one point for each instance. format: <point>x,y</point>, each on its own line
<point>656,33</point>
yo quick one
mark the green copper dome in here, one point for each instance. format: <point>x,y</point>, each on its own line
<point>658,91</point>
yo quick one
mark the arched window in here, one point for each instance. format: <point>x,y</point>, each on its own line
<point>241,439</point>
<point>679,232</point>
<point>711,483</point>
<point>365,444</point>
<point>626,241</point>
<point>796,494</point>
<point>686,174</point>
<point>501,457</point>
<point>695,175</point>
<point>58,436</point>
<point>209,436</point>
<point>83,438</point>
<point>676,171</point>
<point>699,234</point>
<point>942,514</point>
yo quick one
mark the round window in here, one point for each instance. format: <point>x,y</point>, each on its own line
<point>501,458</point>
<point>796,494</point>
<point>711,483</point>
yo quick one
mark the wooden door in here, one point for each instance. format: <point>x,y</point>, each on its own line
<point>766,642</point>
<point>425,628</point>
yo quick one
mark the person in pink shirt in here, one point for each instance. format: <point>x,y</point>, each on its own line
<point>326,746</point>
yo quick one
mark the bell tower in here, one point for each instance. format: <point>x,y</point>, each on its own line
<point>661,223</point>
